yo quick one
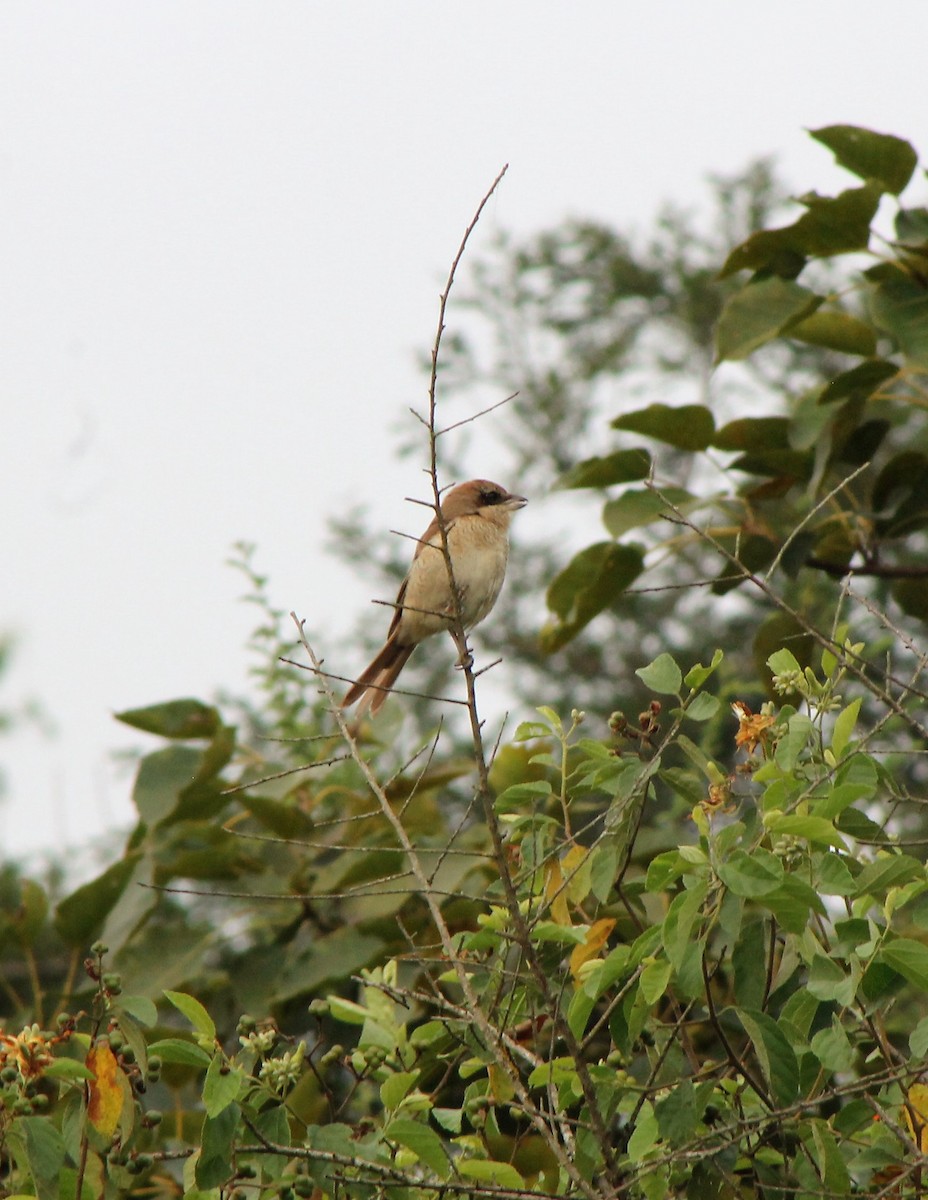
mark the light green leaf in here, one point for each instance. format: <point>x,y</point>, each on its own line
<point>424,1143</point>
<point>662,676</point>
<point>194,1011</point>
<point>484,1171</point>
<point>221,1087</point>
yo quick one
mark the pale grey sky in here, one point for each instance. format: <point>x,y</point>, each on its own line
<point>223,229</point>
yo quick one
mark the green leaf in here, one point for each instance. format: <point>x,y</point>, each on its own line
<point>754,433</point>
<point>831,225</point>
<point>162,777</point>
<point>703,707</point>
<point>222,1085</point>
<point>646,1133</point>
<point>836,331</point>
<point>653,981</point>
<point>176,1050</point>
<point>828,1159</point>
<point>880,156</point>
<point>500,1174</point>
<point>832,1047</point>
<point>860,382</point>
<point>194,1011</point>
<point>214,1166</point>
<point>753,874</point>
<point>282,819</point>
<point>774,1053</point>
<point>909,958</point>
<point>833,878</point>
<point>642,506</point>
<point>844,727</point>
<point>140,1007</point>
<point>80,916</point>
<point>697,675</point>
<point>686,426</point>
<point>816,830</point>
<point>912,597</point>
<point>45,1153</point>
<point>758,313</point>
<point>677,1114</point>
<point>827,980</point>
<point>624,466</point>
<point>899,305</point>
<point>523,795</point>
<point>662,676</point>
<point>593,580</point>
<point>888,871</point>
<point>918,1039</point>
<point>175,719</point>
<point>425,1144</point>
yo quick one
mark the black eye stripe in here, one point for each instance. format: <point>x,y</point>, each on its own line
<point>492,497</point>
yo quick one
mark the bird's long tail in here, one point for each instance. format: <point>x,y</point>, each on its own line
<point>373,686</point>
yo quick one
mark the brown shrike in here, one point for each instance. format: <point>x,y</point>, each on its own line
<point>476,518</point>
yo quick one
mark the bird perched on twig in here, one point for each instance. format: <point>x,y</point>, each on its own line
<point>476,517</point>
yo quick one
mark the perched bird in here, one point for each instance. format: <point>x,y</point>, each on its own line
<point>476,517</point>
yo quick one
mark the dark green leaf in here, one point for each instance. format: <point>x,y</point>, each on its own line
<point>774,1053</point>
<point>831,225</point>
<point>80,916</point>
<point>887,159</point>
<point>175,719</point>
<point>909,958</point>
<point>676,1114</point>
<point>284,820</point>
<point>900,307</point>
<point>836,331</point>
<point>912,597</point>
<point>754,433</point>
<point>688,426</point>
<point>624,466</point>
<point>749,960</point>
<point>593,580</point>
<point>214,1165</point>
<point>758,313</point>
<point>912,226</point>
<point>860,382</point>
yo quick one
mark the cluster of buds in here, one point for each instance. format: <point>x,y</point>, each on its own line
<point>648,725</point>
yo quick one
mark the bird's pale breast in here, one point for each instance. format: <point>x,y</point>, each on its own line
<point>479,551</point>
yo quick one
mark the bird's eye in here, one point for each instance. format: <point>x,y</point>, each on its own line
<point>491,496</point>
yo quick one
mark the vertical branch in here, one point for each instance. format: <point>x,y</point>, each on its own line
<point>492,1036</point>
<point>459,634</point>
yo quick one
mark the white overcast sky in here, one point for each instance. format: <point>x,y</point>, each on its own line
<point>223,228</point>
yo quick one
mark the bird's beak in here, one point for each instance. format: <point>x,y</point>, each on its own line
<point>515,502</point>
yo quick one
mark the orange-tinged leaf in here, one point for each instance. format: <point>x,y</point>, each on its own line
<point>596,938</point>
<point>556,893</point>
<point>106,1096</point>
